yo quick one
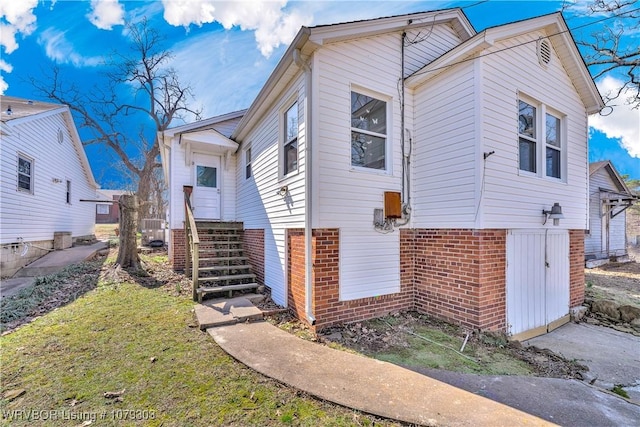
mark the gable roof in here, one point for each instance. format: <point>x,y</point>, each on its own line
<point>24,110</point>
<point>613,173</point>
<point>310,39</point>
<point>557,31</point>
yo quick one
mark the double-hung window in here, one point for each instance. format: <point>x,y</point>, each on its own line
<point>368,132</point>
<point>540,140</point>
<point>247,163</point>
<point>25,174</point>
<point>290,149</point>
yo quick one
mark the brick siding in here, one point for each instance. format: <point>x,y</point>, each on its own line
<point>253,245</point>
<point>327,307</point>
<point>178,249</point>
<point>576,268</point>
<point>459,275</point>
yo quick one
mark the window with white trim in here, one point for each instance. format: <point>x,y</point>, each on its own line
<point>540,140</point>
<point>290,146</point>
<point>247,163</point>
<point>368,132</point>
<point>25,174</point>
<point>102,209</point>
<point>68,192</point>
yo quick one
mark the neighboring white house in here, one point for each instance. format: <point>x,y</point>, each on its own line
<point>405,163</point>
<point>45,176</point>
<point>609,198</point>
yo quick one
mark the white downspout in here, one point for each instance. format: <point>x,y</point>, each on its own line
<point>308,268</point>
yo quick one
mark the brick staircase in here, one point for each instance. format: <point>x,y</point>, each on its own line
<point>222,264</point>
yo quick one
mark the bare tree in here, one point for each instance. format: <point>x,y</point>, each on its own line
<point>612,48</point>
<point>106,113</point>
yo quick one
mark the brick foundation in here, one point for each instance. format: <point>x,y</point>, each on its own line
<point>178,249</point>
<point>253,245</point>
<point>459,275</point>
<point>327,307</point>
<point>576,268</point>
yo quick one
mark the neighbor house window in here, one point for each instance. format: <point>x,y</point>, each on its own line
<point>247,163</point>
<point>291,139</point>
<point>25,174</point>
<point>102,209</point>
<point>540,145</point>
<point>68,192</point>
<point>368,131</point>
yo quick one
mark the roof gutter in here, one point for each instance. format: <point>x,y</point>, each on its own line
<point>308,227</point>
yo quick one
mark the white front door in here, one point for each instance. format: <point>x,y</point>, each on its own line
<point>205,199</point>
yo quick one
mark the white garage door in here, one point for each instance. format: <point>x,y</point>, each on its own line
<point>537,281</point>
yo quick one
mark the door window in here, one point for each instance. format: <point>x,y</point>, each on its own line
<point>206,177</point>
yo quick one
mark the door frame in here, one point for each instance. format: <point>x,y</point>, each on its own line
<point>219,182</point>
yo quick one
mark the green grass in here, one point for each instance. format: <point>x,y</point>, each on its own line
<point>144,341</point>
<point>438,348</point>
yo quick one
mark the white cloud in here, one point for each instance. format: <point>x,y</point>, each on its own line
<point>272,25</point>
<point>61,51</point>
<point>106,13</point>
<point>623,123</point>
<point>16,17</point>
<point>7,68</point>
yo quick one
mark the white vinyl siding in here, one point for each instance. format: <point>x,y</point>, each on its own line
<point>260,203</point>
<point>366,270</point>
<point>347,196</point>
<point>182,174</point>
<point>423,45</point>
<point>596,242</point>
<point>35,217</point>
<point>507,74</point>
<point>444,154</point>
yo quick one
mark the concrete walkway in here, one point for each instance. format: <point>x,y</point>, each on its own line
<point>361,383</point>
<point>51,263</point>
<point>413,395</point>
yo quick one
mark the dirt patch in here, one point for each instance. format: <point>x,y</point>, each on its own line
<point>618,282</point>
<point>415,340</point>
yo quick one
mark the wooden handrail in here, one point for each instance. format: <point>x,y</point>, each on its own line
<point>192,260</point>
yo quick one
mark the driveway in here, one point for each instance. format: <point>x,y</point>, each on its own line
<point>612,357</point>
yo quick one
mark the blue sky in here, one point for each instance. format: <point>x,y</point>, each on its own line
<point>226,50</point>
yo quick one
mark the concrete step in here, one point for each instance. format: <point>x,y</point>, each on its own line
<point>220,312</point>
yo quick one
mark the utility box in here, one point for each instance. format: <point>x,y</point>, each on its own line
<point>62,240</point>
<point>392,204</point>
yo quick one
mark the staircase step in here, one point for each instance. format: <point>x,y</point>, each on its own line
<point>230,277</point>
<point>225,267</point>
<point>224,258</point>
<point>203,290</point>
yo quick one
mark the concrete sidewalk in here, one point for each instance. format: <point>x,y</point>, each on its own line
<point>362,383</point>
<point>51,263</point>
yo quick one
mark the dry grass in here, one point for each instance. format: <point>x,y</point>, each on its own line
<point>138,337</point>
<point>619,282</point>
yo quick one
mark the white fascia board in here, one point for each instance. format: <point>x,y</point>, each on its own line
<point>84,161</point>
<point>450,58</point>
<point>341,32</point>
<point>203,123</point>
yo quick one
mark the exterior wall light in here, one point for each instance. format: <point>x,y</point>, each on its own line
<point>555,214</point>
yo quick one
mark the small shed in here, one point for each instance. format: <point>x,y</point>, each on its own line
<point>609,197</point>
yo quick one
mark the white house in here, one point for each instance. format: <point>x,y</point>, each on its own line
<point>45,176</point>
<point>405,163</point>
<point>609,198</point>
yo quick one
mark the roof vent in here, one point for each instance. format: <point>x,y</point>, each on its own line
<point>544,52</point>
